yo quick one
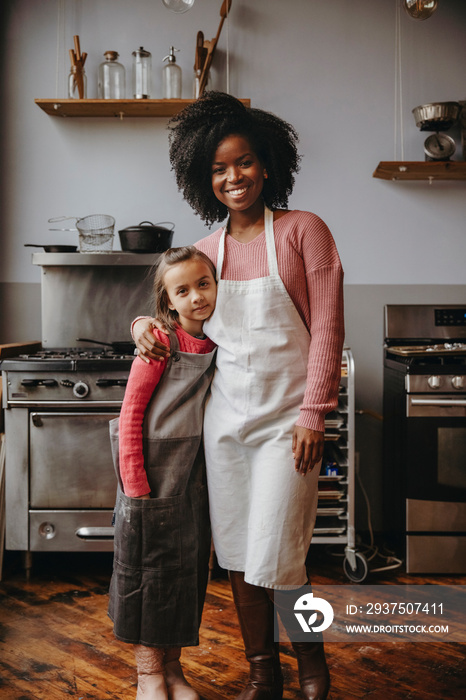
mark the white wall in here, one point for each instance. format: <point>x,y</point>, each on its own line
<point>327,67</point>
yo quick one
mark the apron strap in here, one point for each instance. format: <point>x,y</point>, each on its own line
<point>174,348</point>
<point>221,252</point>
<point>270,243</point>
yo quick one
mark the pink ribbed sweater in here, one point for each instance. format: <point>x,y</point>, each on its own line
<point>310,268</point>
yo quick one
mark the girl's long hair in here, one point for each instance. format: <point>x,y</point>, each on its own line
<point>171,257</point>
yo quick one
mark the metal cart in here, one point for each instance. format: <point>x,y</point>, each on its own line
<point>335,508</point>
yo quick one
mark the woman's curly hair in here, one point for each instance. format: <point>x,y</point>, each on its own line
<point>195,134</point>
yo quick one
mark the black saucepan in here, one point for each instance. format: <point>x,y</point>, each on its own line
<point>121,347</point>
<point>53,248</point>
<point>147,237</point>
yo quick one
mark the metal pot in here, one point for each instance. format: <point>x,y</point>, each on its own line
<point>147,237</point>
<point>53,248</point>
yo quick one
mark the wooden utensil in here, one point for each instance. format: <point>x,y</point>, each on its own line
<point>78,60</point>
<point>211,45</point>
<point>198,60</point>
<point>77,47</point>
<point>224,10</point>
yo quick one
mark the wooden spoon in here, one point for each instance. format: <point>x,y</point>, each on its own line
<point>77,47</point>
<point>199,46</point>
<point>223,14</point>
<point>224,10</point>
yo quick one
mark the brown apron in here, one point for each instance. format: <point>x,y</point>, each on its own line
<point>162,545</point>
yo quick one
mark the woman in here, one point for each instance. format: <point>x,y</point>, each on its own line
<point>278,325</point>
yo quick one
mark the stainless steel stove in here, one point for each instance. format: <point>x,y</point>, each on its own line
<point>425,434</point>
<point>60,482</point>
<point>61,486</point>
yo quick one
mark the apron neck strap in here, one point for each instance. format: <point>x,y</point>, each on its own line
<point>269,240</point>
<point>221,251</point>
<point>270,243</point>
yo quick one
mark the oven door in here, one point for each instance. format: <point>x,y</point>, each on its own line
<point>436,447</point>
<point>436,484</point>
<point>71,463</point>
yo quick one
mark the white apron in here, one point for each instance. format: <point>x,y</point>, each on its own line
<point>262,511</point>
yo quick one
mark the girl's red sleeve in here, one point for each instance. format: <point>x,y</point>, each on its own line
<point>142,381</point>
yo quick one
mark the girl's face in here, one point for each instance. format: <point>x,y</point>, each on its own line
<point>192,292</point>
<point>237,174</point>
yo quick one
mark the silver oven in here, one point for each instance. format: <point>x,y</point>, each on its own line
<point>60,481</point>
<point>425,435</point>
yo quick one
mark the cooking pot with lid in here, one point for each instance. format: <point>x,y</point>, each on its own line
<point>147,237</point>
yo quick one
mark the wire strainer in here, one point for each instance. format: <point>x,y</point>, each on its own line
<point>96,233</point>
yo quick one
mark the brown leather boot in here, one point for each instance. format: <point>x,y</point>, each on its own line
<point>314,676</point>
<point>256,618</point>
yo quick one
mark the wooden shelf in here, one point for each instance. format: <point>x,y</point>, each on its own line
<point>114,108</point>
<point>422,170</point>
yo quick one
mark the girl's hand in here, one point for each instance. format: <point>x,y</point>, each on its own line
<point>147,345</point>
<point>308,448</point>
<point>146,497</point>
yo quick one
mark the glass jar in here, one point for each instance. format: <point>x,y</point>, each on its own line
<point>171,77</point>
<point>111,83</point>
<point>197,83</point>
<point>141,74</point>
<point>77,83</point>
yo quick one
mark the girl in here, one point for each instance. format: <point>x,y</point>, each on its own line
<point>278,326</point>
<point>162,532</point>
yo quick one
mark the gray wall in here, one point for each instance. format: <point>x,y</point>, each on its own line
<point>327,67</point>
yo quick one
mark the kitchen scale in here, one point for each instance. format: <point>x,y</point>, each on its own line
<point>438,117</point>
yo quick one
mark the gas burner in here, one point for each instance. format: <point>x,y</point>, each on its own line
<point>70,359</point>
<point>75,354</point>
<point>426,350</point>
<point>446,347</point>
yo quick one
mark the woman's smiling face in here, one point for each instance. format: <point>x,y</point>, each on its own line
<point>237,173</point>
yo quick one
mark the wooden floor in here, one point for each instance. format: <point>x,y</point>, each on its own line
<point>56,641</point>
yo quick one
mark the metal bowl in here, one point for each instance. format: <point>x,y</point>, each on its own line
<point>437,115</point>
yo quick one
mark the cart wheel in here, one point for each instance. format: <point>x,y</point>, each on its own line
<point>360,572</point>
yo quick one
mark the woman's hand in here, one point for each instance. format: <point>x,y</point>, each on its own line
<point>308,448</point>
<point>147,345</point>
<point>146,497</point>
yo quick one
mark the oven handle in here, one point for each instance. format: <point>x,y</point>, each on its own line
<point>438,402</point>
<point>435,407</point>
<point>95,533</point>
<point>30,403</point>
<point>37,417</point>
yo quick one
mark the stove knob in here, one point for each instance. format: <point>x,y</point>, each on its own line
<point>434,382</point>
<point>47,530</point>
<point>80,390</point>
<point>457,382</point>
